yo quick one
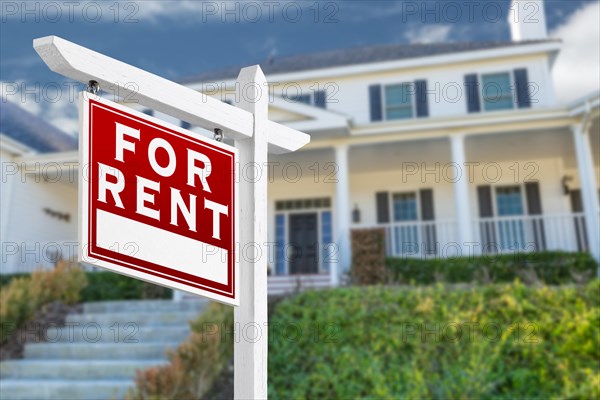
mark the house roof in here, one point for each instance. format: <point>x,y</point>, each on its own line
<point>35,133</point>
<point>358,55</point>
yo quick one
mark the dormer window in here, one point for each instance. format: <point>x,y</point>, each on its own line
<point>399,101</point>
<point>317,98</point>
<point>497,91</point>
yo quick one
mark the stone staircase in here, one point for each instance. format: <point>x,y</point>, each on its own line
<point>96,354</point>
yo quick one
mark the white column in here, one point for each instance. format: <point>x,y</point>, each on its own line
<point>589,188</point>
<point>464,225</point>
<point>250,317</point>
<point>342,216</point>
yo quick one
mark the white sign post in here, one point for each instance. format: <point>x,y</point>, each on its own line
<point>254,137</point>
<point>250,318</point>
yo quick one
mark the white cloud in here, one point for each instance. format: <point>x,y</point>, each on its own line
<point>428,34</point>
<point>577,69</point>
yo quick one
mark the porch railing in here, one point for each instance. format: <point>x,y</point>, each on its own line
<point>528,233</point>
<point>419,238</point>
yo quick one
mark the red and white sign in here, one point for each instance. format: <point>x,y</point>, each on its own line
<point>157,202</point>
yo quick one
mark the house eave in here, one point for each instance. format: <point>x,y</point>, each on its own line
<point>548,48</point>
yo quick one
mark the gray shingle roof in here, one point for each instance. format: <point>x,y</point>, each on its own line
<point>353,56</point>
<point>24,127</point>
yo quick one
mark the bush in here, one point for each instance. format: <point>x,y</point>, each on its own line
<point>552,268</point>
<point>368,256</point>
<point>104,286</point>
<point>388,342</point>
<point>24,295</point>
<point>195,364</point>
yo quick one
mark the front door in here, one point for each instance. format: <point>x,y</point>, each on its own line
<point>304,241</point>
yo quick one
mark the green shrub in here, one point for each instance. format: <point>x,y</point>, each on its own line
<point>388,342</point>
<point>552,268</point>
<point>105,286</point>
<point>195,364</point>
<point>24,295</point>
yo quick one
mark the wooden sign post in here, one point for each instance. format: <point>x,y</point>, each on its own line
<point>254,137</point>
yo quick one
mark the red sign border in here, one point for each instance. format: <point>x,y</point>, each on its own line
<point>132,266</point>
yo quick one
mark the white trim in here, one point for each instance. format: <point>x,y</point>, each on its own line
<point>420,62</point>
<point>14,147</point>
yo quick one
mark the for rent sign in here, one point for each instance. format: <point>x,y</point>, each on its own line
<point>157,202</point>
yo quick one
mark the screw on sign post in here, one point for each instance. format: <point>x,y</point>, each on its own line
<point>254,137</point>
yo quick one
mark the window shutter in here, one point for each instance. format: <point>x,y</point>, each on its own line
<point>383,207</point>
<point>534,207</point>
<point>472,93</point>
<point>578,220</point>
<point>427,212</point>
<point>321,98</point>
<point>484,196</point>
<point>576,203</point>
<point>429,236</point>
<point>522,88</point>
<point>487,228</point>
<point>375,102</point>
<point>534,203</point>
<point>422,104</point>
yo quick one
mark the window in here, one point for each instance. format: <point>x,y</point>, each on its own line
<point>280,244</point>
<point>185,125</point>
<point>405,206</point>
<point>303,98</point>
<point>497,91</point>
<point>327,239</point>
<point>316,98</point>
<point>148,111</point>
<point>288,205</point>
<point>399,101</point>
<point>509,201</point>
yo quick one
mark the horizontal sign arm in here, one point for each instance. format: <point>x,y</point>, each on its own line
<point>82,64</point>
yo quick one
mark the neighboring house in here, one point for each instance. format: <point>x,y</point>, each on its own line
<point>38,207</point>
<point>452,148</point>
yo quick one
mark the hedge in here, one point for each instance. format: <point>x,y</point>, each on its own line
<point>104,286</point>
<point>552,268</point>
<point>502,341</point>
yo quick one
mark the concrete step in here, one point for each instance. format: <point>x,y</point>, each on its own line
<point>29,389</point>
<point>76,370</point>
<point>124,333</point>
<point>141,318</point>
<point>144,306</point>
<point>97,351</point>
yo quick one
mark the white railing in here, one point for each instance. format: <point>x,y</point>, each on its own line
<point>528,233</point>
<point>418,238</point>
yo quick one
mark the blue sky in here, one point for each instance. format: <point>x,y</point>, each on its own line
<point>181,38</point>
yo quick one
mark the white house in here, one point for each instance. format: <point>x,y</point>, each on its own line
<point>453,148</point>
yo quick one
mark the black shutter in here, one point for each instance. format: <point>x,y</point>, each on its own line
<point>375,102</point>
<point>487,228</point>
<point>484,195</point>
<point>522,88</point>
<point>534,207</point>
<point>422,104</point>
<point>472,93</point>
<point>534,202</point>
<point>579,220</point>
<point>383,207</point>
<point>321,98</point>
<point>427,212</point>
<point>428,232</point>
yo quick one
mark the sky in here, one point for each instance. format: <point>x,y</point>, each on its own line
<point>179,38</point>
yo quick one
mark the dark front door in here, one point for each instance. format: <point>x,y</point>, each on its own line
<point>304,242</point>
